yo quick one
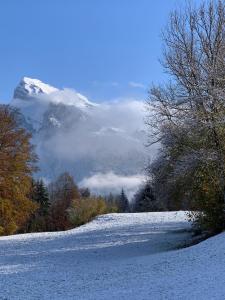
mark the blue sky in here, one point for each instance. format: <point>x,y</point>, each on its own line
<point>105,49</point>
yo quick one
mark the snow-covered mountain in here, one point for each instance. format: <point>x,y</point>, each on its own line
<point>30,87</point>
<point>71,133</point>
<point>35,98</point>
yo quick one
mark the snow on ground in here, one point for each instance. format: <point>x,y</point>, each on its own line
<point>117,256</point>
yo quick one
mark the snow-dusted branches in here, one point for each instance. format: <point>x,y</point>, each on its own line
<point>187,115</point>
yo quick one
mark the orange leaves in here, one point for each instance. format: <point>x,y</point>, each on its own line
<point>17,162</point>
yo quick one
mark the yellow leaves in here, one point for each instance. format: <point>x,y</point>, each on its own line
<point>85,209</point>
<point>7,222</point>
<point>16,166</point>
<point>14,214</point>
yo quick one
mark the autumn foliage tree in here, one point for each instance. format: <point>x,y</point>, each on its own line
<point>84,210</point>
<point>62,192</point>
<point>17,163</point>
<point>71,207</point>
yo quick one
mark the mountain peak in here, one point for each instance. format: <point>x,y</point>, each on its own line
<point>32,87</point>
<point>35,99</point>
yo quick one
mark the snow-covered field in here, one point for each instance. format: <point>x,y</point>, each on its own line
<point>117,256</point>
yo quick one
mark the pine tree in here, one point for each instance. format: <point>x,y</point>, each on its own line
<point>123,202</point>
<point>85,192</point>
<point>144,199</point>
<point>40,195</point>
<point>39,221</point>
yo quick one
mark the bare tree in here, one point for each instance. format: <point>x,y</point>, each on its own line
<point>189,112</point>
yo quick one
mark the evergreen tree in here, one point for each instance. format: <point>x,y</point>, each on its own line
<point>144,199</point>
<point>85,192</point>
<point>123,202</point>
<point>39,220</point>
<point>41,197</point>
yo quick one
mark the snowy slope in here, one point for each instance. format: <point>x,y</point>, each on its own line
<point>31,87</point>
<point>35,98</point>
<point>117,256</point>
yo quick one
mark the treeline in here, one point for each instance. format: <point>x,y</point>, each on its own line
<point>28,205</point>
<point>187,116</point>
<point>62,205</point>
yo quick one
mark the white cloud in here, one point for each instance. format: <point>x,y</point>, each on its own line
<point>111,182</point>
<point>105,84</point>
<point>98,143</point>
<point>139,85</point>
<point>114,83</point>
<point>105,139</point>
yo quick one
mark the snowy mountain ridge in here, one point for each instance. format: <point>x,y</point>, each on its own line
<point>82,137</point>
<point>29,89</point>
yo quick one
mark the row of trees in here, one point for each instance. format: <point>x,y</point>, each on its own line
<point>187,116</point>
<point>62,205</point>
<point>28,205</point>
